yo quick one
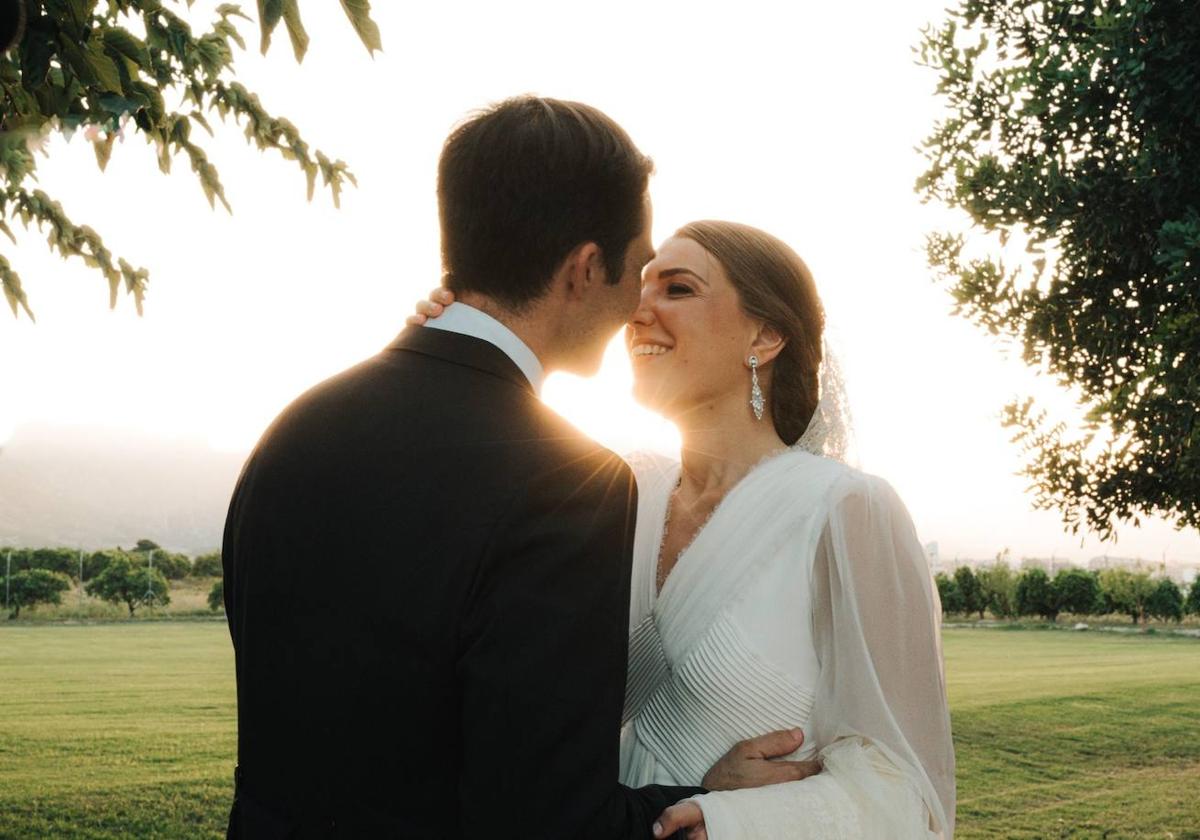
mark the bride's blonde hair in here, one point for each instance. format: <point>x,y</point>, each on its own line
<point>775,286</point>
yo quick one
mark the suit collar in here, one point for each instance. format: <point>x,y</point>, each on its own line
<point>460,349</point>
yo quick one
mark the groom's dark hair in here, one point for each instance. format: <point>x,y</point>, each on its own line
<point>523,183</point>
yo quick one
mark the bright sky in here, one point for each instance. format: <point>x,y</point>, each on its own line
<point>802,122</point>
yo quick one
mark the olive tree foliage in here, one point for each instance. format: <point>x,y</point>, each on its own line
<point>1036,596</point>
<point>998,583</point>
<point>1076,591</point>
<point>1192,604</point>
<point>971,595</point>
<point>1074,126</point>
<point>948,594</point>
<point>1166,601</point>
<point>30,587</point>
<point>129,580</point>
<point>207,565</point>
<point>173,566</point>
<point>1127,591</point>
<point>62,560</point>
<point>104,67</point>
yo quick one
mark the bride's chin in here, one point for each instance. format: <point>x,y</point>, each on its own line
<point>657,401</point>
<point>649,395</point>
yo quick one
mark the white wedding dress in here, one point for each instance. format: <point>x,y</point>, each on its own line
<point>805,601</point>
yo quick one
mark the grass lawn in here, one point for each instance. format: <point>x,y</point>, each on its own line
<point>1079,735</point>
<point>116,730</point>
<point>127,730</point>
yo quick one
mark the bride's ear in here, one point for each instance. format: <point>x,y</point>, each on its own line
<point>767,344</point>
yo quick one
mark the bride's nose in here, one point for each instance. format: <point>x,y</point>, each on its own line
<point>644,314</point>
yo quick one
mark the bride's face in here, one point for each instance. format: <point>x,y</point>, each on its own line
<point>689,339</point>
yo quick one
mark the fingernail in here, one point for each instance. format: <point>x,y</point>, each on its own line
<point>798,734</point>
<point>657,829</point>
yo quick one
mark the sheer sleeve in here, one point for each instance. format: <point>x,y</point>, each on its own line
<point>880,718</point>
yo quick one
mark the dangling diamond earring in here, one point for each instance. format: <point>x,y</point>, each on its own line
<point>756,395</point>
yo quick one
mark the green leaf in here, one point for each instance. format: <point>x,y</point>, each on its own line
<point>295,28</point>
<point>103,149</point>
<point>35,57</point>
<point>118,105</point>
<point>77,61</point>
<point>269,13</point>
<point>359,12</point>
<point>121,43</point>
<point>73,15</point>
<point>104,68</point>
<point>200,118</point>
<point>13,292</point>
<point>7,231</point>
<point>231,10</point>
<point>155,108</point>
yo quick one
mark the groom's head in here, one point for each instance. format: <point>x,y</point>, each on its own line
<point>544,213</point>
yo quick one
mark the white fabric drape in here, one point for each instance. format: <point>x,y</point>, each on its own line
<point>880,715</point>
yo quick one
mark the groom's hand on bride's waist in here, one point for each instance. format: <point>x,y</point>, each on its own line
<point>751,763</point>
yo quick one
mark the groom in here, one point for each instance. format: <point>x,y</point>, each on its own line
<point>427,571</point>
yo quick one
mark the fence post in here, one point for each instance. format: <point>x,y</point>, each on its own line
<point>150,581</point>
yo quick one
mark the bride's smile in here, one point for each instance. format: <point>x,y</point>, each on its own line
<point>689,337</point>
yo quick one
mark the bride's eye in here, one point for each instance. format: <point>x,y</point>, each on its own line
<point>679,289</point>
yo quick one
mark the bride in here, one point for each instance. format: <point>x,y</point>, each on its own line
<point>773,585</point>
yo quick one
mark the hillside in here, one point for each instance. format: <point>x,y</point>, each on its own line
<point>97,488</point>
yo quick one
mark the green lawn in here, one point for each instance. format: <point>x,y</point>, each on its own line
<point>116,730</point>
<point>1080,735</point>
<point>127,729</point>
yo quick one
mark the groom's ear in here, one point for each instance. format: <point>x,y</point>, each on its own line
<point>580,271</point>
<point>768,343</point>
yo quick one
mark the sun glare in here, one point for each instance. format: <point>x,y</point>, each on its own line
<point>603,407</point>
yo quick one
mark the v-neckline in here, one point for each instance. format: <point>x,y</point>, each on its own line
<point>656,594</point>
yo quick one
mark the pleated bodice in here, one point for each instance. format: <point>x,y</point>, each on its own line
<point>725,651</point>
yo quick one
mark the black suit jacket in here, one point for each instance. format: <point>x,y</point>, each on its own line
<point>427,585</point>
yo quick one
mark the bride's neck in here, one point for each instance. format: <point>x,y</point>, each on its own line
<point>721,444</point>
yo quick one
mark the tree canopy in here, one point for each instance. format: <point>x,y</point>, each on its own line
<point>1127,591</point>
<point>999,587</point>
<point>130,582</point>
<point>207,565</point>
<point>1192,604</point>
<point>1166,601</point>
<point>1036,595</point>
<point>1076,591</point>
<point>107,67</point>
<point>1075,128</point>
<point>29,587</point>
<point>972,596</point>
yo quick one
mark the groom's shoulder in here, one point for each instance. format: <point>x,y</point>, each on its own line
<point>437,374</point>
<point>444,390</point>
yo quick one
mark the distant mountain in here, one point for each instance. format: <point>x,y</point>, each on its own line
<point>97,488</point>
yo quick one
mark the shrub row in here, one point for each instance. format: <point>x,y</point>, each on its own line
<point>136,577</point>
<point>66,561</point>
<point>1006,593</point>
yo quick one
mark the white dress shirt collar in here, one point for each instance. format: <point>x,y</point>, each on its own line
<point>467,320</point>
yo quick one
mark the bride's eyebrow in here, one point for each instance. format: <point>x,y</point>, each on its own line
<point>671,272</point>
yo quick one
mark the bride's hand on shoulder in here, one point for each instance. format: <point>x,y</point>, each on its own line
<point>431,307</point>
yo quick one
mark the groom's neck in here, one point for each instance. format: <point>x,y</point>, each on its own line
<point>532,325</point>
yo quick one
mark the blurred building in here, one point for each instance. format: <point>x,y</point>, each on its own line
<point>1050,565</point>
